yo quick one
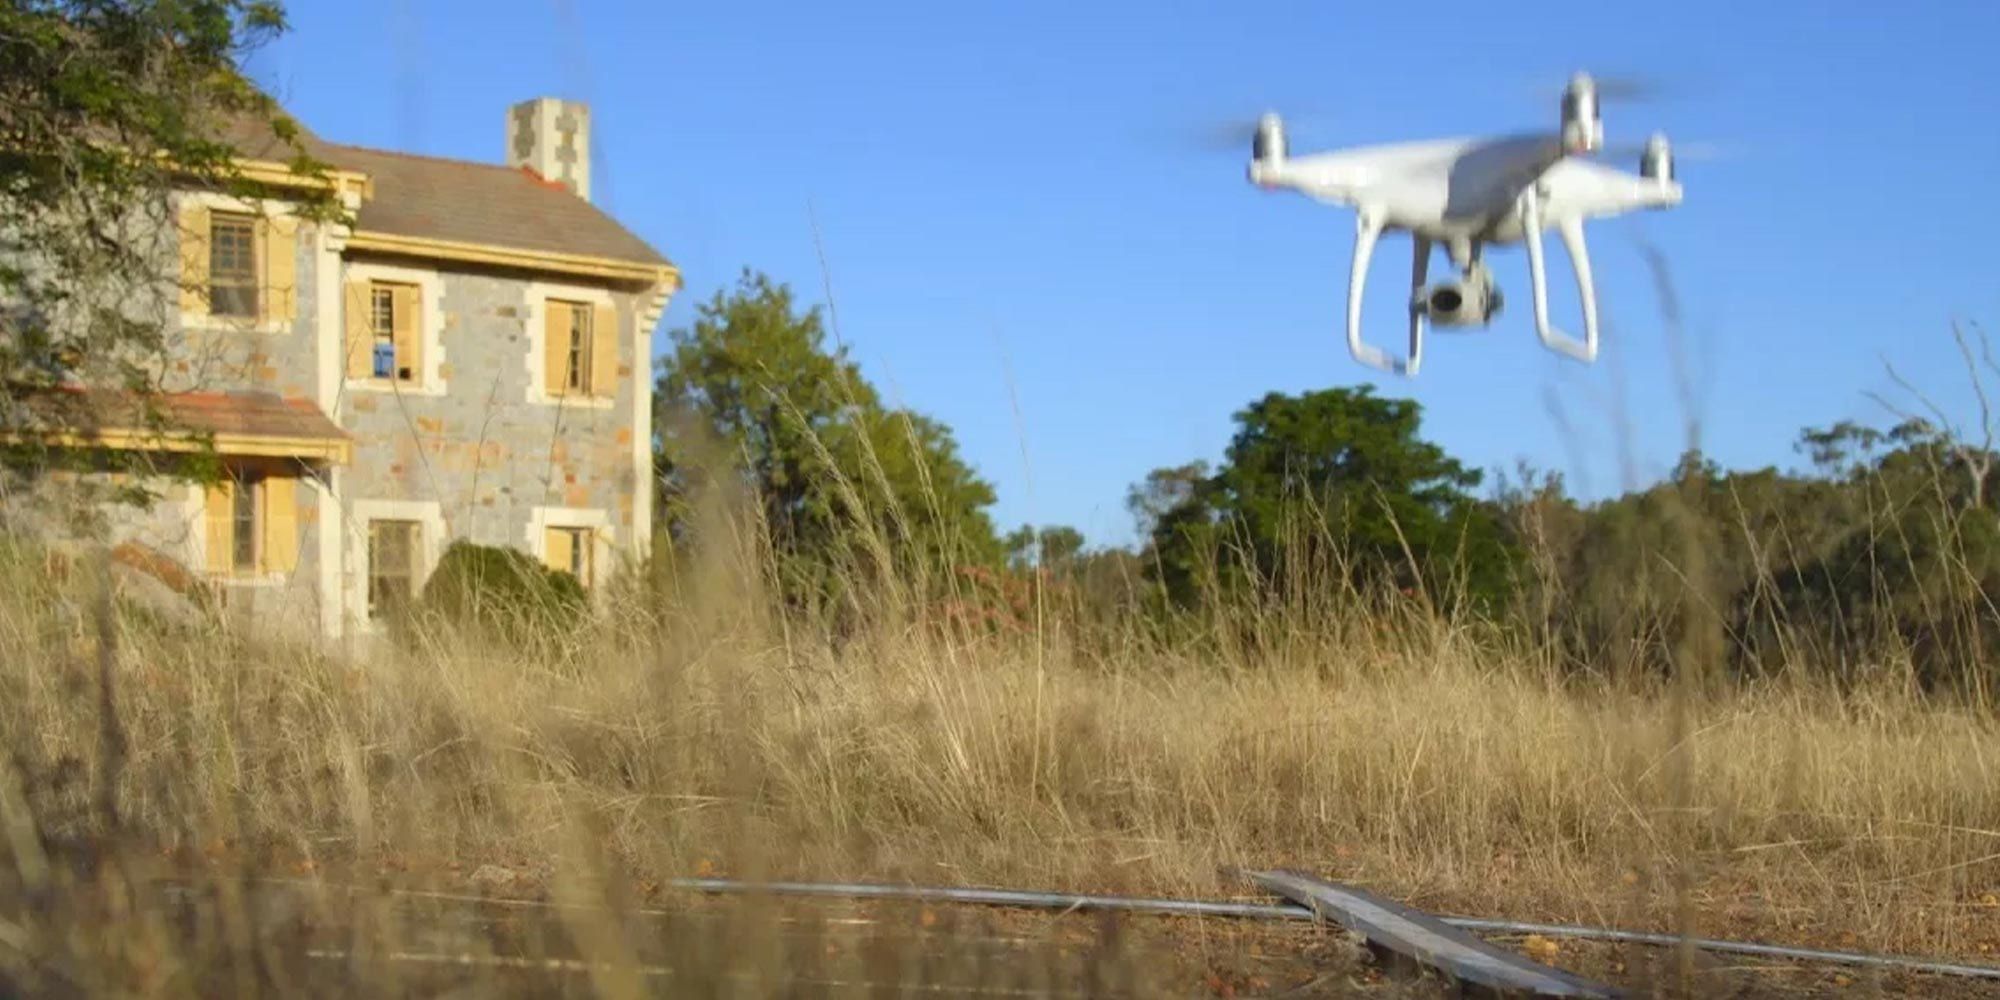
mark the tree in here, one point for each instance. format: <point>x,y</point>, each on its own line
<point>751,391</point>
<point>1053,547</point>
<point>1337,480</point>
<point>106,106</point>
<point>1162,492</point>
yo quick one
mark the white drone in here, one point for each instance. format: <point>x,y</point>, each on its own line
<point>1464,194</point>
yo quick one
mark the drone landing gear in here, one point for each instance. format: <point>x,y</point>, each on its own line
<point>1367,229</point>
<point>1571,229</point>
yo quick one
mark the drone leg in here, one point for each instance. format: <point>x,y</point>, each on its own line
<point>1367,228</point>
<point>1419,272</point>
<point>1586,286</point>
<point>1554,339</point>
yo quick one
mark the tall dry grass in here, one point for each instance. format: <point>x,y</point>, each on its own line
<point>703,727</point>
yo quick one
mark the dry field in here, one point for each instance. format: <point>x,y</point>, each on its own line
<point>712,733</point>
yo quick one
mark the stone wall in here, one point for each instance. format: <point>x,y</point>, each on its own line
<point>475,448</point>
<point>483,450</point>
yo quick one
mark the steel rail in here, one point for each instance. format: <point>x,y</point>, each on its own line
<point>1286,911</point>
<point>1726,947</point>
<point>1028,899</point>
<point>1001,897</point>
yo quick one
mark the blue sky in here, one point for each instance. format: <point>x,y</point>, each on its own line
<point>1021,244</point>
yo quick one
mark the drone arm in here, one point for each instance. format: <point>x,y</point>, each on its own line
<point>1571,228</point>
<point>1367,229</point>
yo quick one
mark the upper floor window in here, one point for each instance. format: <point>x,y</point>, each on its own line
<point>238,264</point>
<point>232,265</point>
<point>384,332</point>
<point>580,341</point>
<point>576,373</point>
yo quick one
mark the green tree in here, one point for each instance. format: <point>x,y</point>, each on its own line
<point>751,390</point>
<point>109,105</point>
<point>1337,480</point>
<point>1053,547</point>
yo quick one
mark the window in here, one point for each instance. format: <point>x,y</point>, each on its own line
<point>576,377</point>
<point>232,266</point>
<point>569,550</point>
<point>244,521</point>
<point>252,523</point>
<point>392,566</point>
<point>384,332</point>
<point>580,351</point>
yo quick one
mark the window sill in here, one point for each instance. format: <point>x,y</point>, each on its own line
<point>583,402</point>
<point>225,324</point>
<point>249,580</point>
<point>393,388</point>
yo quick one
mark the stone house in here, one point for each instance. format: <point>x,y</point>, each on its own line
<point>470,359</point>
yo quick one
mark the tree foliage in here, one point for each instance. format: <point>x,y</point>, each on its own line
<point>751,392</point>
<point>1336,481</point>
<point>105,107</point>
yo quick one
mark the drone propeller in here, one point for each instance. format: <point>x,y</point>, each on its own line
<point>1234,134</point>
<point>1695,151</point>
<point>1624,89</point>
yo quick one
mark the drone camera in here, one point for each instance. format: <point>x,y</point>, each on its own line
<point>1462,303</point>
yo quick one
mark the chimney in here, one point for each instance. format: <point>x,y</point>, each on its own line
<point>551,136</point>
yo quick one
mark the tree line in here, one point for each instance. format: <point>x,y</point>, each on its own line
<point>1883,546</point>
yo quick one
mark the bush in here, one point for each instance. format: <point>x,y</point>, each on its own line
<point>503,590</point>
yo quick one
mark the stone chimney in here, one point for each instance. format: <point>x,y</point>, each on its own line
<point>551,136</point>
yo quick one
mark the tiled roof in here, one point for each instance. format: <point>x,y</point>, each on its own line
<point>483,203</point>
<point>240,414</point>
<point>460,200</point>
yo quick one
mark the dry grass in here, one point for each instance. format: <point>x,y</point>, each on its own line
<point>714,734</point>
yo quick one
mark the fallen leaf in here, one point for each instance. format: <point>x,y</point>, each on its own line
<point>1989,901</point>
<point>1541,949</point>
<point>1842,979</point>
<point>1629,878</point>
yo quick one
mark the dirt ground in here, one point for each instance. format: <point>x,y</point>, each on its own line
<point>436,944</point>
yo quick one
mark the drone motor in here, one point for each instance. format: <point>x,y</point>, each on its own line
<point>1268,145</point>
<point>1656,163</point>
<point>1582,125</point>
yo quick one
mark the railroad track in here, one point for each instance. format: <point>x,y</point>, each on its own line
<point>1402,939</point>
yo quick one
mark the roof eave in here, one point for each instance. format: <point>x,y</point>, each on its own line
<point>338,451</point>
<point>574,265</point>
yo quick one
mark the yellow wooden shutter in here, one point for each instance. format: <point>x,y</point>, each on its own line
<point>215,518</point>
<point>556,549</point>
<point>408,333</point>
<point>281,524</point>
<point>277,250</point>
<point>555,347</point>
<point>194,259</point>
<point>604,351</point>
<point>359,343</point>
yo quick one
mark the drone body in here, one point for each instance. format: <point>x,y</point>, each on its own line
<point>1464,194</point>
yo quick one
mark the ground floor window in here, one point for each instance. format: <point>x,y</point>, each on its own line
<point>392,565</point>
<point>252,523</point>
<point>569,550</point>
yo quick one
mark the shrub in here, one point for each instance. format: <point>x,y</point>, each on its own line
<point>503,590</point>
